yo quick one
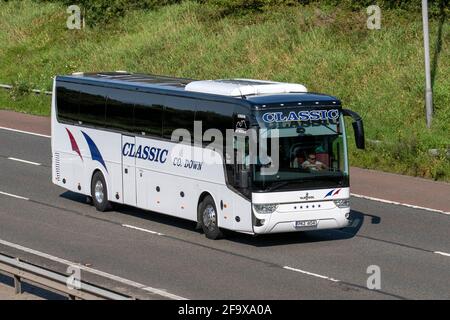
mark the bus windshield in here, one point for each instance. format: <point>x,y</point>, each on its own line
<point>311,155</point>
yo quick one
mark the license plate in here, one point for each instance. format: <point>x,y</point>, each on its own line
<point>306,223</point>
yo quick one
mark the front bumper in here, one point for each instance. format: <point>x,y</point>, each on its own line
<point>327,214</point>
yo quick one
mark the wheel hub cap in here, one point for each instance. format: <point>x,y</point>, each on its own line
<point>99,195</point>
<point>209,217</point>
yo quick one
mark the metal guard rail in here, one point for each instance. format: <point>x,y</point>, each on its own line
<point>9,87</point>
<point>54,281</point>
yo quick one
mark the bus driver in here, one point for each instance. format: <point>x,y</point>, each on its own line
<point>312,164</point>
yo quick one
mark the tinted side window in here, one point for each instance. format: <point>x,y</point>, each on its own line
<point>92,104</point>
<point>179,113</point>
<point>218,115</point>
<point>119,110</point>
<point>67,96</point>
<point>148,113</point>
<point>215,115</point>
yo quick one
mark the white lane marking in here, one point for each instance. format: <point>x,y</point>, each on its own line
<point>24,161</point>
<point>310,274</point>
<point>399,203</point>
<point>26,132</point>
<point>131,283</point>
<point>13,195</point>
<point>442,253</point>
<point>142,229</point>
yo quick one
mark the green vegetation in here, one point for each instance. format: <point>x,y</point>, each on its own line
<point>106,11</point>
<point>378,73</point>
<point>27,103</point>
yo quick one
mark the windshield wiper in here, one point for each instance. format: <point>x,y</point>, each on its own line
<point>277,185</point>
<point>280,184</point>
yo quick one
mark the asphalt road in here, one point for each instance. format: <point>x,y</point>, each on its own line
<point>401,241</point>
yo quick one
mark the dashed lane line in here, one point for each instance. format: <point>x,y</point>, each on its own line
<point>13,195</point>
<point>142,229</point>
<point>24,161</point>
<point>311,274</point>
<point>442,253</point>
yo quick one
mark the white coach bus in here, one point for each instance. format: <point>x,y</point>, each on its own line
<point>111,140</point>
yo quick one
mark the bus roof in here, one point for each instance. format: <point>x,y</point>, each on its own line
<point>248,92</point>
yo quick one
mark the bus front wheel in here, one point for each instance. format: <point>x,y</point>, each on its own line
<point>209,219</point>
<point>99,192</point>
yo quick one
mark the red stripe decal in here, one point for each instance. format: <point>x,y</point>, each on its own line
<point>74,144</point>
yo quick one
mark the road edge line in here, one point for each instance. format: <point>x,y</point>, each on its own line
<point>26,132</point>
<point>399,203</point>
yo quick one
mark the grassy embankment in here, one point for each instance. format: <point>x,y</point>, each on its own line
<point>378,73</point>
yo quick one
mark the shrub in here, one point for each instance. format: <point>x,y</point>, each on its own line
<point>20,88</point>
<point>106,11</point>
<point>436,7</point>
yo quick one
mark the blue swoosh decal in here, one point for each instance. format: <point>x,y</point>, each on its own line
<point>95,153</point>
<point>329,193</point>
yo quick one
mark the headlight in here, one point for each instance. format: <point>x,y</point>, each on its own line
<point>342,203</point>
<point>265,208</point>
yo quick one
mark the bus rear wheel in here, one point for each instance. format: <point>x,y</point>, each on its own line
<point>99,192</point>
<point>209,219</point>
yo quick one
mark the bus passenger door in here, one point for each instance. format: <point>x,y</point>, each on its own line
<point>129,170</point>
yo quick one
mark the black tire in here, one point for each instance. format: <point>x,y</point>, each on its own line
<point>100,200</point>
<point>208,216</point>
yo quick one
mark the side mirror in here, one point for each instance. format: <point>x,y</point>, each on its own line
<point>243,179</point>
<point>358,128</point>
